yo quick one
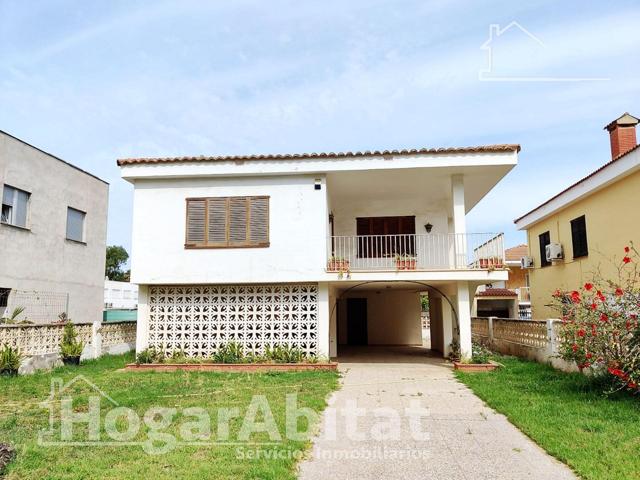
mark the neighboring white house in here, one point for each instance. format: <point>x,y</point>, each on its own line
<point>301,249</point>
<point>53,228</point>
<point>120,295</point>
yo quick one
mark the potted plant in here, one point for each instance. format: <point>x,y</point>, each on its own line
<point>496,262</point>
<point>10,360</point>
<point>480,360</point>
<point>405,262</point>
<point>484,263</point>
<point>337,264</point>
<point>410,262</point>
<point>70,347</point>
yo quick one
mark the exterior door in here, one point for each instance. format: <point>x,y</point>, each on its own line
<point>357,321</point>
<point>376,241</point>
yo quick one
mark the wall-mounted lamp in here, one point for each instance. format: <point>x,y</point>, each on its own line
<point>428,227</point>
<point>317,184</point>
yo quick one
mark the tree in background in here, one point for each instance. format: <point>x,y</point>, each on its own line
<point>117,257</point>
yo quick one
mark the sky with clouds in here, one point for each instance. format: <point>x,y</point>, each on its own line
<point>95,81</point>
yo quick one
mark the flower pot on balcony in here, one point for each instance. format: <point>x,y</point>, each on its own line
<point>338,265</point>
<point>496,262</point>
<point>484,263</point>
<point>410,264</point>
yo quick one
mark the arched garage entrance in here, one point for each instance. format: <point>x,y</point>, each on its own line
<point>388,314</point>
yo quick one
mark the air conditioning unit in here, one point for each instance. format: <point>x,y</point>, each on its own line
<point>553,252</point>
<point>526,262</point>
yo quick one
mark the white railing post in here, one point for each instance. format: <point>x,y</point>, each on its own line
<point>96,339</point>
<point>490,320</point>
<point>551,337</point>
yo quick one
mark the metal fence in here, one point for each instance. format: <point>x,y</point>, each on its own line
<point>37,307</point>
<point>437,251</point>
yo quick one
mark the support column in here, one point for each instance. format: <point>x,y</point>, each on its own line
<point>324,312</point>
<point>459,222</point>
<point>464,319</point>
<point>448,320</point>
<point>142,325</point>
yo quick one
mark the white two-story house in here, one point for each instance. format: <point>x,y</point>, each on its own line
<point>311,250</point>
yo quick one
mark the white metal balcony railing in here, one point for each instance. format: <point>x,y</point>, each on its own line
<point>434,251</point>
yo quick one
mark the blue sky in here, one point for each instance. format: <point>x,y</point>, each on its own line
<point>95,81</point>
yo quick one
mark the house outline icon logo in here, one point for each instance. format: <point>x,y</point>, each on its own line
<point>58,388</point>
<point>489,74</point>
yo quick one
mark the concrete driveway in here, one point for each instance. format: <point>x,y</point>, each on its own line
<point>456,438</point>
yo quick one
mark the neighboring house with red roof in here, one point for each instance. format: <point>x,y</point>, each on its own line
<point>588,224</point>
<point>510,298</point>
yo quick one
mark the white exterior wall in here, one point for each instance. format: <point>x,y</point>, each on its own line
<point>40,258</point>
<point>345,214</point>
<point>120,294</point>
<point>393,317</point>
<point>297,233</point>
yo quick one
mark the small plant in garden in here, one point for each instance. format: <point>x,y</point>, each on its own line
<point>150,355</point>
<point>7,454</point>
<point>70,347</point>
<point>480,354</point>
<point>179,356</point>
<point>454,351</point>
<point>10,359</point>
<point>284,354</point>
<point>231,352</point>
<point>600,328</point>
<point>13,318</point>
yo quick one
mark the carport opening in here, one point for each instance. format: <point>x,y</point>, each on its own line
<point>383,315</point>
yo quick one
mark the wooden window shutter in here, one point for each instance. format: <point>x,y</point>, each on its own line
<point>259,220</point>
<point>227,222</point>
<point>196,213</point>
<point>238,220</point>
<point>217,221</point>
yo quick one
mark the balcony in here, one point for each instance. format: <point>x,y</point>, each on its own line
<point>437,251</point>
<point>524,295</point>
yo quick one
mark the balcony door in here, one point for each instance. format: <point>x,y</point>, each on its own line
<point>386,236</point>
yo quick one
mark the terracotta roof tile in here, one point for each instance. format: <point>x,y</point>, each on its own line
<point>497,292</point>
<point>308,156</point>
<point>516,253</point>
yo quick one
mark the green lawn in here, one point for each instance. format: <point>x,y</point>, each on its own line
<point>597,436</point>
<point>22,417</point>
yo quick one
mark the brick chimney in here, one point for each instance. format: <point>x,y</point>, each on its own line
<point>622,133</point>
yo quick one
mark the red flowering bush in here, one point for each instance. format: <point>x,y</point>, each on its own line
<point>600,328</point>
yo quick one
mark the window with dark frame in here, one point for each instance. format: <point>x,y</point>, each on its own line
<point>4,299</point>
<point>75,224</point>
<point>545,239</point>
<point>15,206</point>
<point>579,237</point>
<point>227,222</point>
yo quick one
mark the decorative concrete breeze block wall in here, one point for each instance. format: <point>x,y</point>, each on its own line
<point>198,319</point>
<point>40,344</point>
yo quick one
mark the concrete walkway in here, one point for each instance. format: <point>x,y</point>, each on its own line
<point>466,440</point>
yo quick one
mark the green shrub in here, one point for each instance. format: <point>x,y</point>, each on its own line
<point>284,354</point>
<point>70,346</point>
<point>150,355</point>
<point>229,353</point>
<point>13,318</point>
<point>10,359</point>
<point>600,328</point>
<point>480,353</point>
